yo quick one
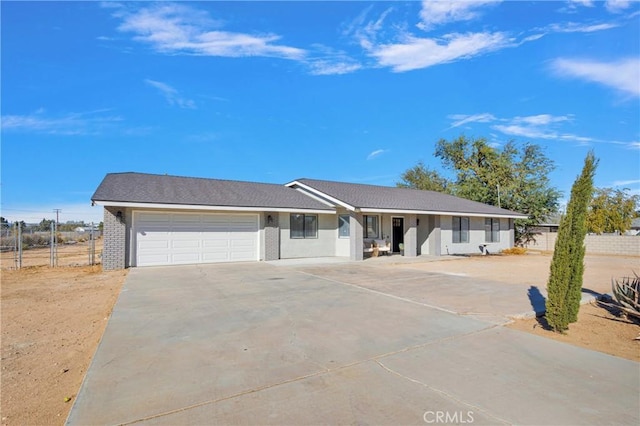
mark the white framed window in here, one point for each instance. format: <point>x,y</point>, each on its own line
<point>303,226</point>
<point>460,229</point>
<point>344,226</point>
<point>371,227</point>
<point>491,230</point>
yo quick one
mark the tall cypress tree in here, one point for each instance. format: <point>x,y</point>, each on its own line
<point>564,287</point>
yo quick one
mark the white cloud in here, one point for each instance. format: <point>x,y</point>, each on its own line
<point>442,12</point>
<point>524,131</point>
<point>324,67</point>
<point>415,53</point>
<point>573,27</point>
<point>542,119</point>
<point>329,61</point>
<point>633,145</point>
<point>541,126</point>
<point>376,153</point>
<point>626,182</point>
<point>585,3</point>
<point>171,94</point>
<point>70,124</point>
<point>180,29</point>
<point>617,6</point>
<point>622,75</point>
<point>461,119</point>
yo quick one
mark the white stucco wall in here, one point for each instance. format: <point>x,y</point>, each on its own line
<point>476,237</point>
<point>324,245</point>
<point>423,234</point>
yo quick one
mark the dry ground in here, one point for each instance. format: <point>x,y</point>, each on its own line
<point>53,319</point>
<point>598,328</point>
<point>68,255</point>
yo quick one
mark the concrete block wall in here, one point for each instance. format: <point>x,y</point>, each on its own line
<point>271,236</point>
<point>115,239</point>
<point>613,244</point>
<point>624,245</point>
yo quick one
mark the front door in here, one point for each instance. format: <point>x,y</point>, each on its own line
<point>397,232</point>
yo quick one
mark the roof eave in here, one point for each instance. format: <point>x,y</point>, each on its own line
<point>106,203</point>
<point>443,213</point>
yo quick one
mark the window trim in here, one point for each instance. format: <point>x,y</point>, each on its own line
<point>366,227</point>
<point>491,229</point>
<point>347,222</point>
<point>304,235</point>
<point>459,230</point>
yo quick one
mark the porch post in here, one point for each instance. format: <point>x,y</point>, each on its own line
<point>356,244</point>
<point>411,235</point>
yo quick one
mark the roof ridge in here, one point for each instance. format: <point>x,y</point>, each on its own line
<point>371,185</point>
<point>196,178</point>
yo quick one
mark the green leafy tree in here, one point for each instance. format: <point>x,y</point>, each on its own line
<point>4,223</point>
<point>515,177</point>
<point>421,177</point>
<point>564,286</point>
<point>611,210</point>
<point>45,225</point>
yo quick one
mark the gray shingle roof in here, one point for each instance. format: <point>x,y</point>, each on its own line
<point>393,198</point>
<point>162,189</point>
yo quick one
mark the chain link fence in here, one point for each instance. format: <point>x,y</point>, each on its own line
<point>21,248</point>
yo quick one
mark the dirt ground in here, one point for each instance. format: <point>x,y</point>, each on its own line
<point>68,255</point>
<point>599,328</point>
<point>53,319</point>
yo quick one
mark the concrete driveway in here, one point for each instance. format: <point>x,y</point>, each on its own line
<point>263,344</point>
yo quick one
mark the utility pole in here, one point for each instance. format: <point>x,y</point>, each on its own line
<point>499,206</point>
<point>55,238</point>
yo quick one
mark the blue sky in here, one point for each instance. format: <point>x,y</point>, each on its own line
<point>274,91</point>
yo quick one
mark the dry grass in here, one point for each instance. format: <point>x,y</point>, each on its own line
<point>515,251</point>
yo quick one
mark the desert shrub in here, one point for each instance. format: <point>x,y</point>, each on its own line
<point>35,240</point>
<point>515,250</point>
<point>627,293</point>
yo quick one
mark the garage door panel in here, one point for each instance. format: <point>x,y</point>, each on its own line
<point>184,238</point>
<point>185,244</point>
<point>185,258</point>
<point>214,257</point>
<point>153,259</point>
<point>151,244</point>
<point>213,244</point>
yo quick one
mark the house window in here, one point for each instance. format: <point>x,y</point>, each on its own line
<point>492,230</point>
<point>371,229</point>
<point>303,226</point>
<point>460,229</point>
<point>343,226</point>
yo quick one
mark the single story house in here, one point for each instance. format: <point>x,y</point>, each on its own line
<point>154,220</point>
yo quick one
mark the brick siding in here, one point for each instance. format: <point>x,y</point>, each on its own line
<point>114,234</point>
<point>271,236</point>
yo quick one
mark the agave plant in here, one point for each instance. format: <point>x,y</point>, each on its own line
<point>627,293</point>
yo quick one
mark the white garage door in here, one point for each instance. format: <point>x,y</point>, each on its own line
<point>185,238</point>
